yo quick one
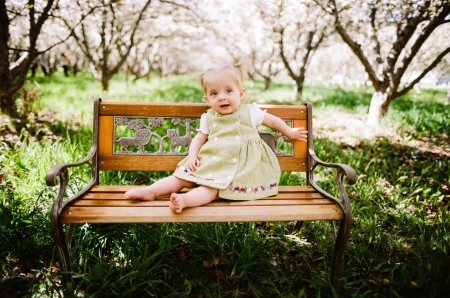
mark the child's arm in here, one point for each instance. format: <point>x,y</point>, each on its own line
<point>299,133</point>
<point>192,162</point>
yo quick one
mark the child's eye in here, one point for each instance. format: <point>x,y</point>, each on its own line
<point>229,90</point>
<point>214,93</point>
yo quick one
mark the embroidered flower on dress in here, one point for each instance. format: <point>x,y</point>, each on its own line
<point>249,189</point>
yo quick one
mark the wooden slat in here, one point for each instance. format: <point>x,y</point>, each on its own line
<point>105,136</point>
<point>158,203</point>
<point>169,163</point>
<point>293,193</point>
<point>138,162</point>
<point>300,148</point>
<point>200,214</point>
<point>148,109</point>
<point>293,164</point>
<point>186,110</point>
<point>280,196</point>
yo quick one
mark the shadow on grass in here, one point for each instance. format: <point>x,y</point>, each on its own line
<point>400,210</point>
<point>389,160</point>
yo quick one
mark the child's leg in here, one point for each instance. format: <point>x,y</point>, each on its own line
<point>199,196</point>
<point>161,187</point>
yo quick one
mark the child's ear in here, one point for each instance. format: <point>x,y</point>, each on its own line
<point>206,98</point>
<point>242,93</point>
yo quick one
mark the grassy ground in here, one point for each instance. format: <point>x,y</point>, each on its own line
<point>398,247</point>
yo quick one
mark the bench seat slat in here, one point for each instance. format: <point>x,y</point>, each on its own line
<point>158,203</point>
<point>280,196</point>
<point>200,214</point>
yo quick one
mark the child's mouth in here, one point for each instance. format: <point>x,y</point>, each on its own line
<point>224,106</point>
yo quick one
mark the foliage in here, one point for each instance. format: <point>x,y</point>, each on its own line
<point>399,244</point>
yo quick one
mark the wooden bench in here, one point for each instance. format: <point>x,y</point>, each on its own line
<point>133,137</point>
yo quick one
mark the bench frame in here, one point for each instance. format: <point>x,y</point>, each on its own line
<point>59,175</point>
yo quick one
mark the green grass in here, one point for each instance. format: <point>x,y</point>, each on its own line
<point>398,247</point>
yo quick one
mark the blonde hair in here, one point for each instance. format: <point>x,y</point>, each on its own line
<point>236,72</point>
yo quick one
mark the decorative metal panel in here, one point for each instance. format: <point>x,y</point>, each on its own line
<point>172,136</point>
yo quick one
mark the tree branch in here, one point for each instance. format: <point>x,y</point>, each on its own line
<point>72,29</point>
<point>423,74</point>
<point>35,29</point>
<point>16,14</point>
<point>404,35</point>
<point>283,56</point>
<point>431,26</point>
<point>130,46</point>
<point>376,43</point>
<point>84,45</point>
<point>355,47</point>
<point>309,49</point>
<point>181,5</point>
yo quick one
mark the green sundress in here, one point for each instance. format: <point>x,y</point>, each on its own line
<point>234,159</point>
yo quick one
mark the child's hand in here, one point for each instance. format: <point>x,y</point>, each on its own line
<point>192,163</point>
<point>299,134</point>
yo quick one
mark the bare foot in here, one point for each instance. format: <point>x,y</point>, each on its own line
<point>141,193</point>
<point>177,202</point>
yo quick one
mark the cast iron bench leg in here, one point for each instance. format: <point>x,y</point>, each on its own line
<point>63,251</point>
<point>338,251</point>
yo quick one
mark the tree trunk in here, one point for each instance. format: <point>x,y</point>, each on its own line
<point>378,107</point>
<point>267,82</point>
<point>7,103</point>
<point>105,83</point>
<point>447,101</point>
<point>298,90</point>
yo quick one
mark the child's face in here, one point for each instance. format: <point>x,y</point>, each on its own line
<point>223,94</point>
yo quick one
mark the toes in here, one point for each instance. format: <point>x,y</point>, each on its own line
<point>175,203</point>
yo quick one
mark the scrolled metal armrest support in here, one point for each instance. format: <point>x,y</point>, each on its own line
<point>61,171</point>
<point>346,170</point>
<point>344,174</point>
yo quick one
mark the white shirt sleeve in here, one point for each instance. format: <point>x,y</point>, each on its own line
<point>256,115</point>
<point>204,125</point>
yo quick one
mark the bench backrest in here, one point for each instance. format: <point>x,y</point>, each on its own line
<point>132,137</point>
